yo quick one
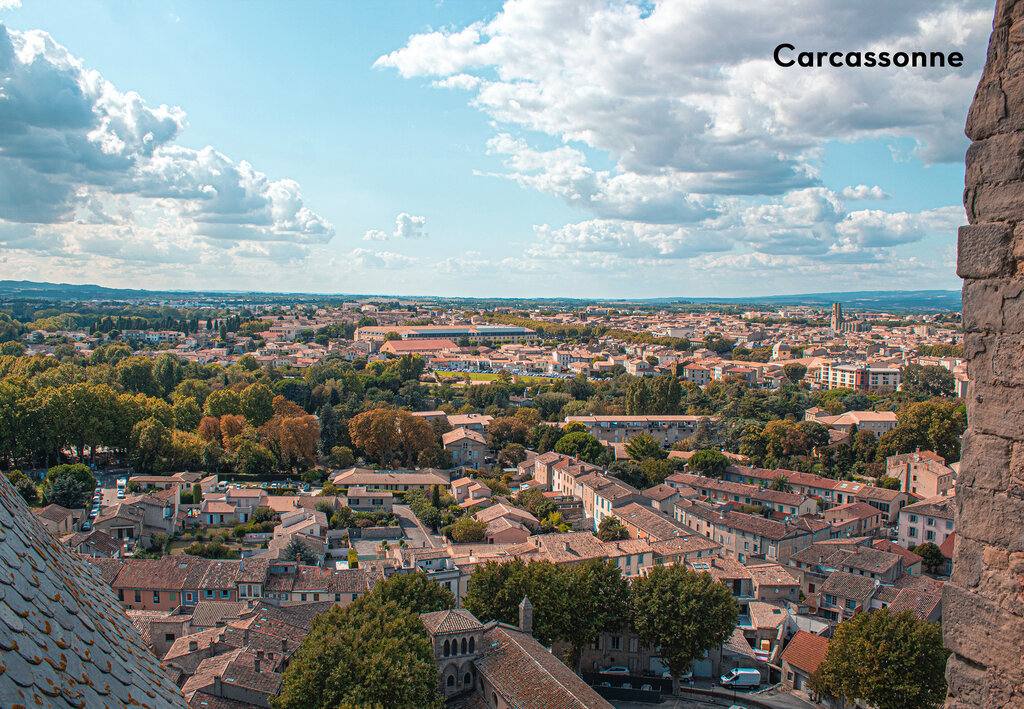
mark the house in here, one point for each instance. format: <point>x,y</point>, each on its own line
<point>359,499</point>
<point>94,543</point>
<point>929,520</point>
<point>59,520</point>
<point>507,524</point>
<point>663,497</point>
<point>394,480</point>
<point>469,492</point>
<point>467,447</point>
<point>854,519</point>
<point>876,422</point>
<point>122,522</point>
<point>923,473</point>
<point>642,522</point>
<point>801,659</point>
<point>843,595</point>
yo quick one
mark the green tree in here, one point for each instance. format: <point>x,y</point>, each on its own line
<point>186,413</point>
<point>297,550</point>
<point>415,592</point>
<point>610,530</point>
<point>888,660</point>
<point>928,380</point>
<point>257,404</point>
<point>341,457</point>
<point>222,402</point>
<point>582,446</point>
<point>780,484</point>
<point>931,556</point>
<point>365,654</point>
<point>150,444</point>
<point>466,529</point>
<point>794,371</point>
<point>708,462</point>
<point>644,446</point>
<point>66,492</point>
<point>683,613</point>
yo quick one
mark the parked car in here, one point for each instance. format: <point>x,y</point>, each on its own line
<point>685,677</point>
<point>741,677</point>
<point>616,670</point>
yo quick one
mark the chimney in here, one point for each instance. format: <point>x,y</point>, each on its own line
<point>526,616</point>
<point>216,686</point>
<point>256,665</point>
<point>284,645</point>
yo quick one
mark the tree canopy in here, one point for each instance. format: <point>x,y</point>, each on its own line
<point>889,660</point>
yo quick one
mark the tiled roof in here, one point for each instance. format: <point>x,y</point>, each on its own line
<point>65,640</point>
<point>450,621</point>
<point>209,614</point>
<point>520,669</point>
<point>806,651</point>
<point>846,585</point>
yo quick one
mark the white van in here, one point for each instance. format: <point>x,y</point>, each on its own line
<point>741,677</point>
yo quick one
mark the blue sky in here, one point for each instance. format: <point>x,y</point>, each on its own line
<point>551,147</point>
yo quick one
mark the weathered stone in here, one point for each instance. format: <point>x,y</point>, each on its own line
<point>982,303</point>
<point>989,517</point>
<point>983,250</point>
<point>983,602</point>
<point>995,409</point>
<point>985,463</point>
<point>996,159</point>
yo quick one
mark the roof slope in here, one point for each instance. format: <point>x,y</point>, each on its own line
<point>806,651</point>
<point>65,640</point>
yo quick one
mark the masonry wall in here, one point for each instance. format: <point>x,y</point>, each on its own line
<point>983,604</point>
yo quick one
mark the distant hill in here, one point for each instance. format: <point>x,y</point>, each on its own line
<point>854,300</point>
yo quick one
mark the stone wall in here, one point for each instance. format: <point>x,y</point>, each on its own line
<point>983,604</point>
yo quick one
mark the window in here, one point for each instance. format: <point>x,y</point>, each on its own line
<point>303,596</point>
<point>467,680</point>
<point>174,596</point>
<point>451,681</point>
<point>156,596</point>
<point>949,525</point>
<point>929,535</point>
<point>851,605</point>
<point>447,648</point>
<point>120,594</point>
<point>207,593</point>
<point>168,637</point>
<point>472,646</point>
<point>913,519</point>
<point>225,594</point>
<point>188,597</point>
<point>912,532</point>
<point>138,596</point>
<point>464,646</point>
<point>616,642</point>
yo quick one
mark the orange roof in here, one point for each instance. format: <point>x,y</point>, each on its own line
<point>806,651</point>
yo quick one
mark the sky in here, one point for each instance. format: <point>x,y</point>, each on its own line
<point>527,148</point>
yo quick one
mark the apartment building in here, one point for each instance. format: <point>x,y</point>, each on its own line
<point>858,376</point>
<point>929,520</point>
<point>922,473</point>
<point>665,429</point>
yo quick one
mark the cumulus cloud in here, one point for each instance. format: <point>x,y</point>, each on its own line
<point>862,192</point>
<point>406,227</point>
<point>671,127</point>
<point>97,172</point>
<point>9,4</point>
<point>379,260</point>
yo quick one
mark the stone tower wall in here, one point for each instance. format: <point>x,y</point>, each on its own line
<point>983,604</point>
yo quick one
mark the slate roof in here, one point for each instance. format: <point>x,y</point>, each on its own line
<point>64,640</point>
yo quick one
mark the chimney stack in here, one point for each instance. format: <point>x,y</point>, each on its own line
<point>256,665</point>
<point>526,616</point>
<point>217,691</point>
<point>284,645</point>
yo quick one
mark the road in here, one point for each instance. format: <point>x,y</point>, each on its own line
<point>779,701</point>
<point>414,530</point>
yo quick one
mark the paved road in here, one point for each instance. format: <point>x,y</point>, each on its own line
<point>414,530</point>
<point>779,701</point>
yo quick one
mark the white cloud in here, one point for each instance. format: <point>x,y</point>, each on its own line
<point>379,260</point>
<point>406,227</point>
<point>670,125</point>
<point>96,173</point>
<point>862,192</point>
<point>9,4</point>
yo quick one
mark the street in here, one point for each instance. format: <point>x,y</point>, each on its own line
<point>416,534</point>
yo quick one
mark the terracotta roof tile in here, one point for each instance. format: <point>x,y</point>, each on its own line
<point>806,651</point>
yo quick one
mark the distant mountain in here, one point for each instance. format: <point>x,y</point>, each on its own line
<point>854,300</point>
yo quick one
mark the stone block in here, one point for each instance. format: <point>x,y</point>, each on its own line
<point>985,463</point>
<point>988,516</point>
<point>970,561</point>
<point>982,631</point>
<point>998,202</point>
<point>982,306</point>
<point>983,250</point>
<point>987,111</point>
<point>996,159</point>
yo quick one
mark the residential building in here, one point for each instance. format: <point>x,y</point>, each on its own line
<point>929,520</point>
<point>922,473</point>
<point>665,429</point>
<point>390,479</point>
<point>801,659</point>
<point>854,519</point>
<point>359,499</point>
<point>844,594</point>
<point>467,447</point>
